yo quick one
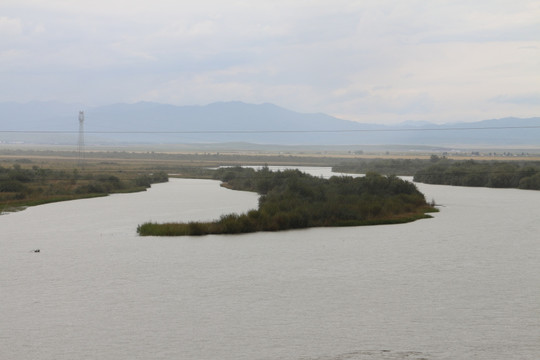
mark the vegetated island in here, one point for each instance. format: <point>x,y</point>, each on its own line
<point>291,199</point>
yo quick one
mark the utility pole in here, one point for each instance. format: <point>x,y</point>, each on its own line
<point>81,138</point>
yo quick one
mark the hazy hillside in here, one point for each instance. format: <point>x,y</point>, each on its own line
<point>146,122</point>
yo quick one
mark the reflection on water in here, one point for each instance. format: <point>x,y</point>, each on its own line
<point>463,285</point>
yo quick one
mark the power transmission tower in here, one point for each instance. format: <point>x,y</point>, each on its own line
<point>81,138</point>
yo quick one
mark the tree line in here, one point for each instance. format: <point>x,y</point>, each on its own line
<point>482,174</point>
<point>444,171</point>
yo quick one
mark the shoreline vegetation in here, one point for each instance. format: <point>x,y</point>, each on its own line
<point>291,199</point>
<point>22,186</point>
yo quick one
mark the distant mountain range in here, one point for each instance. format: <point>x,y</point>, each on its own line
<point>146,122</point>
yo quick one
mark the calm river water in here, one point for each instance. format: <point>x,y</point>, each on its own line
<point>463,285</point>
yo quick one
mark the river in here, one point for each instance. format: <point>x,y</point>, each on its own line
<point>463,285</point>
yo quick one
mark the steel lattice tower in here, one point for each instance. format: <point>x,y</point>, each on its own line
<point>81,137</point>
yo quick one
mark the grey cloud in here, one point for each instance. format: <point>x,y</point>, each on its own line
<point>527,99</point>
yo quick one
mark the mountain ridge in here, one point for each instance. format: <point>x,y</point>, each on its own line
<point>266,123</point>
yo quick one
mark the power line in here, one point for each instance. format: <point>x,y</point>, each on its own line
<point>267,131</point>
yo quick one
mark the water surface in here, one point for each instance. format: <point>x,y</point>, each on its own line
<point>463,285</point>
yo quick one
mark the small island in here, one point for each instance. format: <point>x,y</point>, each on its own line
<point>291,199</point>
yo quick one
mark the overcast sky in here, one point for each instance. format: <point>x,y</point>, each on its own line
<point>371,61</point>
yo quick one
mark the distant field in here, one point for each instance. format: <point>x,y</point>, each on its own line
<point>126,157</point>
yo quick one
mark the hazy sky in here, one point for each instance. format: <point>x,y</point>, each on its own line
<point>371,61</point>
